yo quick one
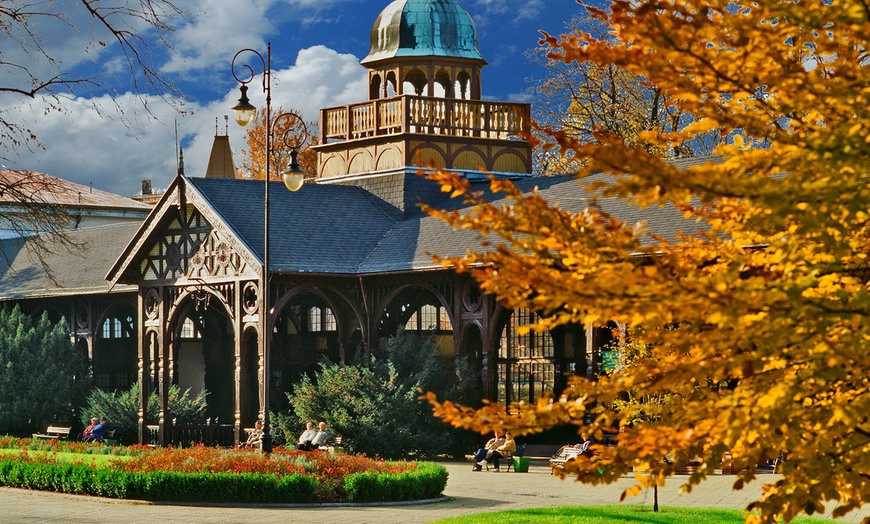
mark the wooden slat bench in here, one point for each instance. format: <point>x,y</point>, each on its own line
<point>565,453</point>
<point>54,433</point>
<point>333,445</point>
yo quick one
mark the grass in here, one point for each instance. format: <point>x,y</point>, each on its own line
<point>612,514</point>
<point>68,457</point>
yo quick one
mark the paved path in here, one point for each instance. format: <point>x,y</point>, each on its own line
<point>468,492</point>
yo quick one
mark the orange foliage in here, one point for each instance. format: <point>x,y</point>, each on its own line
<point>758,326</point>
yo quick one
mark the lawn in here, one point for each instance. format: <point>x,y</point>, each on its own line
<point>612,515</point>
<point>99,460</point>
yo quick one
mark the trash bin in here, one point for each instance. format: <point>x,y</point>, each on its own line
<point>521,464</point>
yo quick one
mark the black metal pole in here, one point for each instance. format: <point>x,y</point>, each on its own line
<point>266,440</point>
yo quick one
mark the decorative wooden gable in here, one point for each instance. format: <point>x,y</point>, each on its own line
<point>216,258</point>
<point>172,252</point>
<point>183,239</point>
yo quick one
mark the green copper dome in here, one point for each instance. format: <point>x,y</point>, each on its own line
<point>423,28</point>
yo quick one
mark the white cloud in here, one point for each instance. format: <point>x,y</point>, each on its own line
<point>521,9</point>
<point>320,78</point>
<point>92,142</point>
<point>217,29</point>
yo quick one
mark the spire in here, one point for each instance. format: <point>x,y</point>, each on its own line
<point>181,160</point>
<point>220,162</point>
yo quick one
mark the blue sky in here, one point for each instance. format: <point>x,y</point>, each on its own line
<point>316,48</point>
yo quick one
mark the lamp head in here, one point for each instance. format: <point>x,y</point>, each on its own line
<point>294,176</point>
<point>244,110</point>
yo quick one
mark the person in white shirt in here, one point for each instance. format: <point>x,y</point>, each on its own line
<point>308,435</point>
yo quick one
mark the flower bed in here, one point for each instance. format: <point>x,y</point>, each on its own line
<point>221,475</point>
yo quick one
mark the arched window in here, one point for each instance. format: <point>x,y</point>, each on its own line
<point>321,319</point>
<point>415,81</point>
<point>526,360</point>
<point>189,330</point>
<point>429,317</point>
<point>375,88</point>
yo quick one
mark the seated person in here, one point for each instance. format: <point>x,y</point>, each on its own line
<point>483,454</point>
<point>255,437</point>
<point>319,439</point>
<point>583,448</point>
<point>308,435</point>
<point>90,429</point>
<point>505,450</point>
<point>99,431</point>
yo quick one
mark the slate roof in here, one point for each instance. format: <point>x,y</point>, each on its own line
<point>77,271</point>
<point>318,229</point>
<point>328,229</point>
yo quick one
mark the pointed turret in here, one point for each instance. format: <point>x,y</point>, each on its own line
<point>220,162</point>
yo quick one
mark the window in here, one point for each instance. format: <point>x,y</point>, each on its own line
<point>321,319</point>
<point>429,317</point>
<point>117,328</point>
<point>189,330</point>
<point>526,362</point>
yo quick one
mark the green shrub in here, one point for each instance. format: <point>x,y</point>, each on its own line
<point>374,402</point>
<point>426,482</point>
<point>43,378</point>
<point>159,485</point>
<point>122,409</point>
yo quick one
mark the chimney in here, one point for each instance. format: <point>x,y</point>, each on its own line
<point>146,187</point>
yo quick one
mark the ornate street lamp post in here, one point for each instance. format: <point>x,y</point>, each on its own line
<point>293,179</point>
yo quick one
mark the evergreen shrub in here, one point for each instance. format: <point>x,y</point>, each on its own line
<point>122,409</point>
<point>374,402</point>
<point>43,378</point>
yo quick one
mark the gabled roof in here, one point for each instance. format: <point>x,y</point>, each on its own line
<point>318,229</point>
<point>79,269</point>
<point>345,230</point>
<point>46,189</point>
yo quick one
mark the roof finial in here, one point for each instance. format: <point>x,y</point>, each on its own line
<point>181,160</point>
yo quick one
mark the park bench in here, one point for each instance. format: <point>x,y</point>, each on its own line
<point>333,445</point>
<point>54,433</point>
<point>565,453</point>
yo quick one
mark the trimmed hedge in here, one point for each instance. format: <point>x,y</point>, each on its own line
<point>426,482</point>
<point>160,485</point>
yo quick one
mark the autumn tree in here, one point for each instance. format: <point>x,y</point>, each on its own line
<point>34,66</point>
<point>757,325</point>
<point>583,98</point>
<point>286,133</point>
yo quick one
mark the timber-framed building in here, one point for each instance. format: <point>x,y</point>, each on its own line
<point>350,253</point>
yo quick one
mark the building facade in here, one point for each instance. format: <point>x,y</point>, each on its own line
<point>350,253</point>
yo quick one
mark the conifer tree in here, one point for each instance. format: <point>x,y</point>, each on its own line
<point>43,379</point>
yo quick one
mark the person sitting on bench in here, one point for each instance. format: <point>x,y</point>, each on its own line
<point>99,432</point>
<point>320,439</point>
<point>505,450</point>
<point>483,454</point>
<point>256,436</point>
<point>307,436</point>
<point>88,430</point>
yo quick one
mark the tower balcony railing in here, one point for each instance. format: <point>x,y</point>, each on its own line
<point>424,115</point>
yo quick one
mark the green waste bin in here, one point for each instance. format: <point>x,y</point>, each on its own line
<point>521,464</point>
